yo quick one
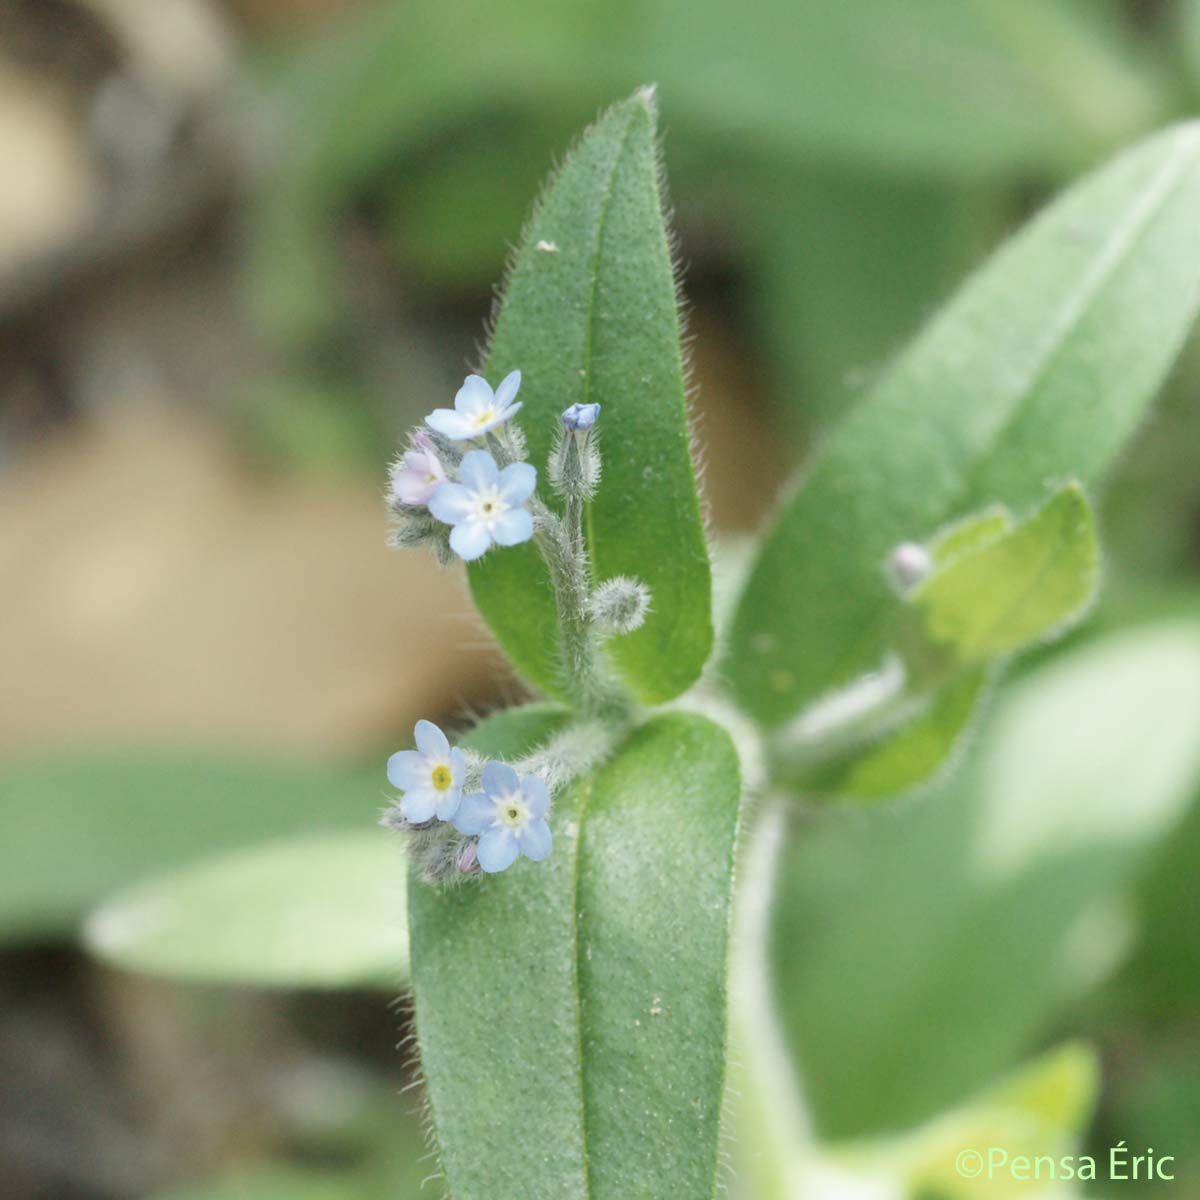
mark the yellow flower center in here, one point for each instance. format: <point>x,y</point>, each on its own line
<point>441,777</point>
<point>513,811</point>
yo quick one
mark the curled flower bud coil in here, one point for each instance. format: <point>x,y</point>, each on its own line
<point>619,605</point>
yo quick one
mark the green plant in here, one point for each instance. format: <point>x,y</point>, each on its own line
<point>573,863</point>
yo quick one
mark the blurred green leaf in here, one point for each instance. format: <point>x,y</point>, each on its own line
<point>1162,979</point>
<point>345,1138</point>
<point>79,825</point>
<point>955,87</point>
<point>452,208</point>
<point>1186,15</point>
<point>589,315</point>
<point>845,267</point>
<point>1042,1109</point>
<point>1154,1098</point>
<point>325,910</point>
<point>946,88</point>
<point>392,79</point>
<point>916,958</point>
<point>593,984</point>
<point>908,756</point>
<point>1040,369</point>
<point>994,597</point>
<point>271,1184</point>
<point>310,424</point>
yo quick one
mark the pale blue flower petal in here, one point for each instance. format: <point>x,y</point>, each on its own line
<point>517,482</point>
<point>448,802</point>
<point>476,812</point>
<point>419,805</point>
<point>535,840</point>
<point>499,779</point>
<point>497,850</point>
<point>407,769</point>
<point>478,471</point>
<point>431,741</point>
<point>451,503</point>
<point>474,396</point>
<point>507,391</point>
<point>458,765</point>
<point>450,423</point>
<point>469,540</point>
<point>536,796</point>
<point>512,528</point>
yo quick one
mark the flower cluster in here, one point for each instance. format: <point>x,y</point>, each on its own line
<point>435,483</point>
<point>484,830</point>
<point>461,487</point>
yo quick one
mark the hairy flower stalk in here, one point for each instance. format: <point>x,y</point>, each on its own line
<point>574,471</point>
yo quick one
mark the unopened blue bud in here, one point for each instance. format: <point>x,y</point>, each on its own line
<point>579,418</point>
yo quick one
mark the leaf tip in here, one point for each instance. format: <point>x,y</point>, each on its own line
<point>647,97</point>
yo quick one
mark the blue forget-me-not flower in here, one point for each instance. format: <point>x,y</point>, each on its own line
<point>486,505</point>
<point>509,817</point>
<point>431,776</point>
<point>477,409</point>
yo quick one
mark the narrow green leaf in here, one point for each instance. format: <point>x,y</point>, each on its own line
<point>1023,585</point>
<point>1040,369</point>
<point>593,984</point>
<point>323,911</point>
<point>79,825</point>
<point>940,945</point>
<point>589,315</point>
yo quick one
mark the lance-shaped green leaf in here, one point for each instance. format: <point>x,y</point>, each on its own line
<point>589,315</point>
<point>324,910</point>
<point>571,1013</point>
<point>1026,584</point>
<point>1041,368</point>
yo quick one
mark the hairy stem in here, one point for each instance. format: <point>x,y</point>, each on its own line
<point>585,675</point>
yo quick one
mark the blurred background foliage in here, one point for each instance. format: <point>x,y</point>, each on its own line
<point>243,245</point>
